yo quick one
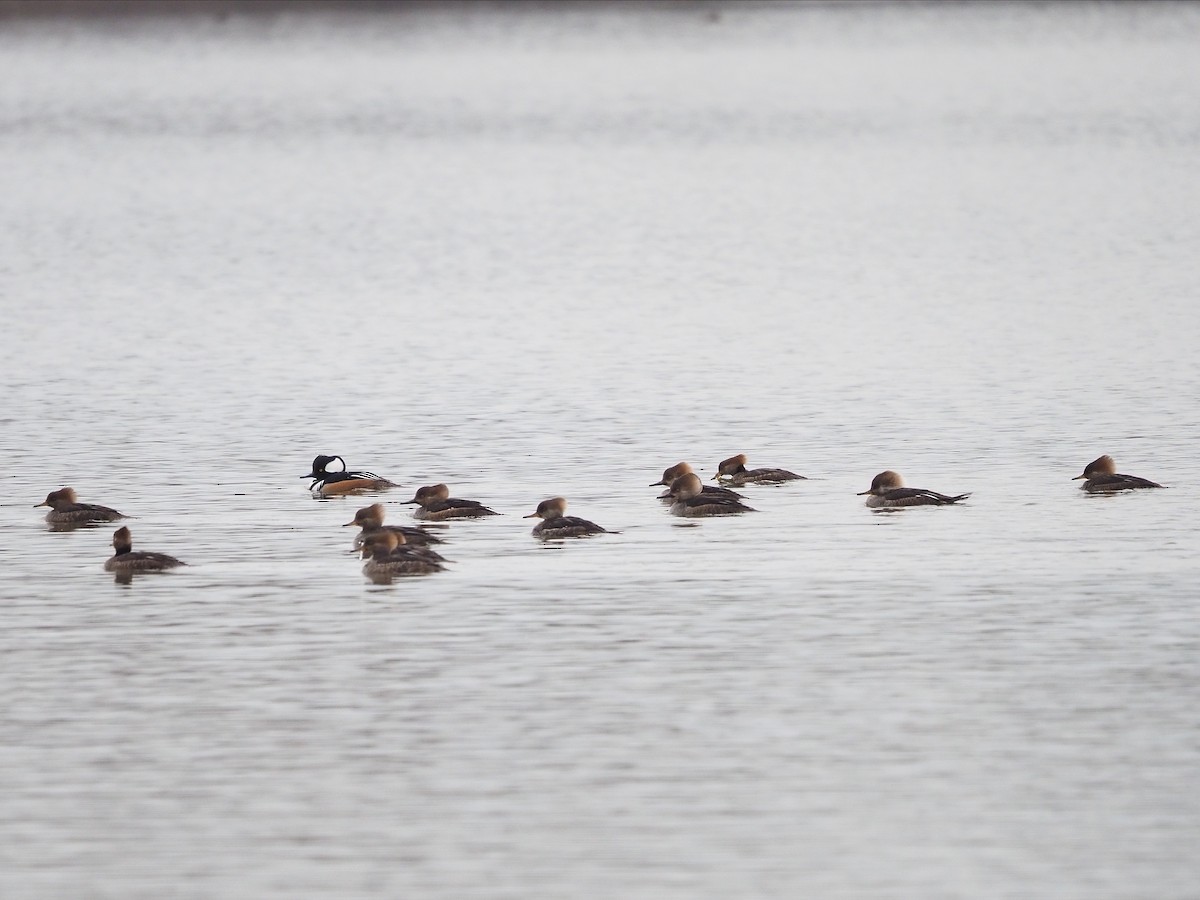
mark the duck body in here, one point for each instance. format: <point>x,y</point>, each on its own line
<point>763,476</point>
<point>1101,477</point>
<point>691,501</point>
<point>887,491</point>
<point>339,482</point>
<point>387,558</point>
<point>66,510</point>
<point>556,524</point>
<point>733,472</point>
<point>389,565</point>
<point>1108,484</point>
<point>711,491</point>
<point>453,508</point>
<point>126,561</point>
<point>435,504</point>
<point>901,497</point>
<point>402,552</point>
<point>565,527</point>
<point>141,561</point>
<point>694,507</point>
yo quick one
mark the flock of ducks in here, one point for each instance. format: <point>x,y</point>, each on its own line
<point>401,550</point>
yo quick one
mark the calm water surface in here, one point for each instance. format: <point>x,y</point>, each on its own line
<point>532,254</point>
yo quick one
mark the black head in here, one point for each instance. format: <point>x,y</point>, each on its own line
<point>320,466</point>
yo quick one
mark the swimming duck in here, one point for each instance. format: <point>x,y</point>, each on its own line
<point>690,499</point>
<point>436,504</point>
<point>328,483</point>
<point>887,491</point>
<point>682,468</point>
<point>65,510</point>
<point>370,520</point>
<point>1101,477</point>
<point>375,539</point>
<point>556,524</point>
<point>733,471</point>
<point>389,556</point>
<point>125,561</point>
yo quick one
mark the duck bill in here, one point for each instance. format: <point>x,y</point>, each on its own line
<point>530,516</point>
<point>348,524</point>
<point>1079,477</point>
<point>43,503</point>
<point>656,484</point>
<point>862,493</point>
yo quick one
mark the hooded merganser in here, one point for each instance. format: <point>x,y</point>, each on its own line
<point>327,483</point>
<point>370,520</point>
<point>682,468</point>
<point>733,471</point>
<point>435,503</point>
<point>389,556</point>
<point>690,499</point>
<point>65,510</point>
<point>125,561</point>
<point>374,540</point>
<point>556,524</point>
<point>887,491</point>
<point>1101,477</point>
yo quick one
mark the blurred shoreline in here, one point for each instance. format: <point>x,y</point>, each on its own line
<point>101,9</point>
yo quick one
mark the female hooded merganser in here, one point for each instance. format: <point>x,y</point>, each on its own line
<point>64,510</point>
<point>690,499</point>
<point>1101,477</point>
<point>436,504</point>
<point>389,556</point>
<point>682,468</point>
<point>370,520</point>
<point>556,524</point>
<point>376,539</point>
<point>887,491</point>
<point>328,483</point>
<point>125,561</point>
<point>733,471</point>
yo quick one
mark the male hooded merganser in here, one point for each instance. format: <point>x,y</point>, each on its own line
<point>64,510</point>
<point>682,468</point>
<point>328,483</point>
<point>389,556</point>
<point>1101,477</point>
<point>887,491</point>
<point>556,524</point>
<point>436,504</point>
<point>690,499</point>
<point>370,520</point>
<point>733,471</point>
<point>125,561</point>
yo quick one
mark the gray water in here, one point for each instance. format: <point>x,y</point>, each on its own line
<point>531,253</point>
